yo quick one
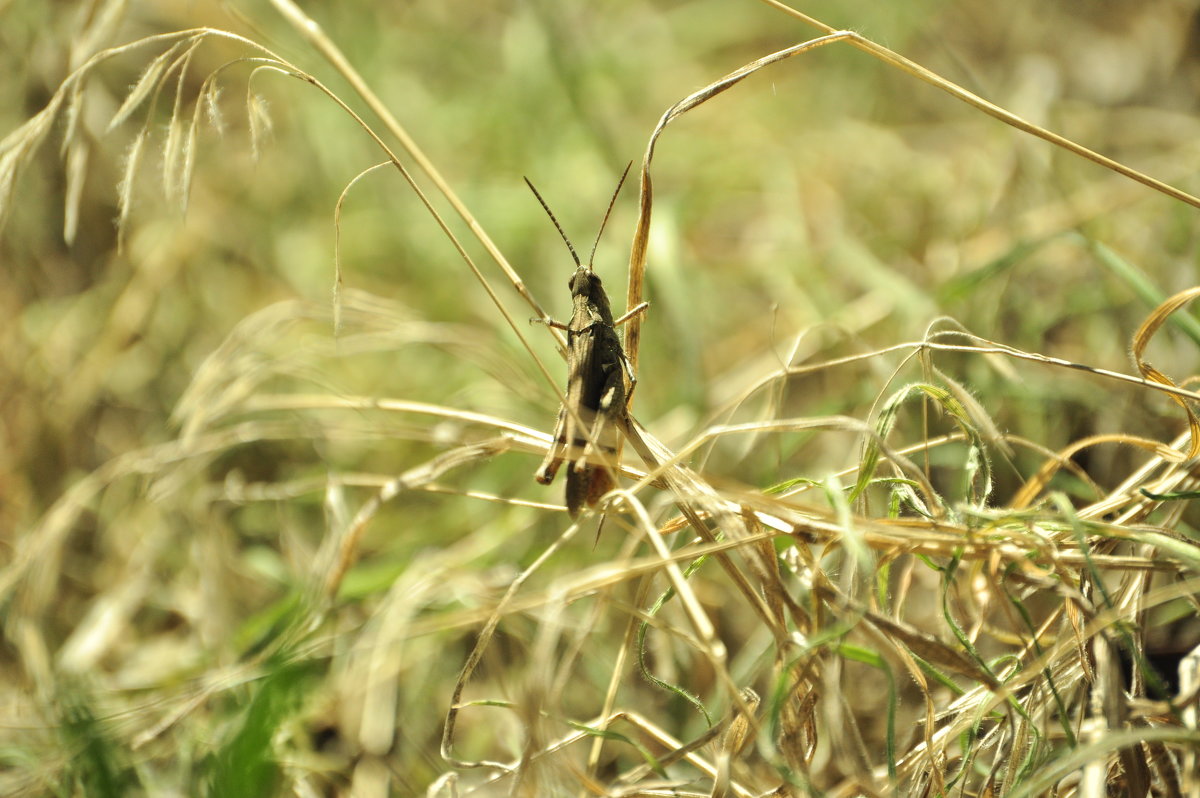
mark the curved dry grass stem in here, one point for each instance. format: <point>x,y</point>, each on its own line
<point>637,256</point>
<point>476,655</point>
<point>1036,484</point>
<point>1141,340</point>
<point>641,235</point>
<point>339,550</point>
<point>1007,117</point>
<point>312,32</point>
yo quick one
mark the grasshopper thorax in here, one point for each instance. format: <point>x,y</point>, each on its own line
<point>588,294</point>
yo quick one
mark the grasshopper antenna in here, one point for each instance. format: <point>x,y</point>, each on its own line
<point>550,213</point>
<point>611,203</point>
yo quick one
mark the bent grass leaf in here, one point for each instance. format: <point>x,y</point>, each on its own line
<point>886,421</point>
<point>1141,339</point>
<point>608,734</point>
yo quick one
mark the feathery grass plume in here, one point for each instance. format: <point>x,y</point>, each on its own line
<point>260,122</point>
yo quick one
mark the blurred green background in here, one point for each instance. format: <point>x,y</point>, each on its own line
<point>830,194</point>
<point>826,207</point>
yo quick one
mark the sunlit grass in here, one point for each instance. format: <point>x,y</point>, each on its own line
<point>901,514</point>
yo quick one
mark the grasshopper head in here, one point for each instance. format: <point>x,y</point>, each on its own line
<point>585,282</point>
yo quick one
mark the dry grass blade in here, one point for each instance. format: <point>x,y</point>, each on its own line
<point>482,643</point>
<point>1009,118</point>
<point>641,234</point>
<point>18,147</point>
<point>313,33</point>
<point>1141,339</point>
<point>637,259</point>
<point>340,549</point>
<point>1037,483</point>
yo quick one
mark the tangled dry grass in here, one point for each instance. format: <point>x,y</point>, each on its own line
<point>898,518</point>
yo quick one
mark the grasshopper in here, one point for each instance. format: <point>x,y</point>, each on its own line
<point>599,382</point>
